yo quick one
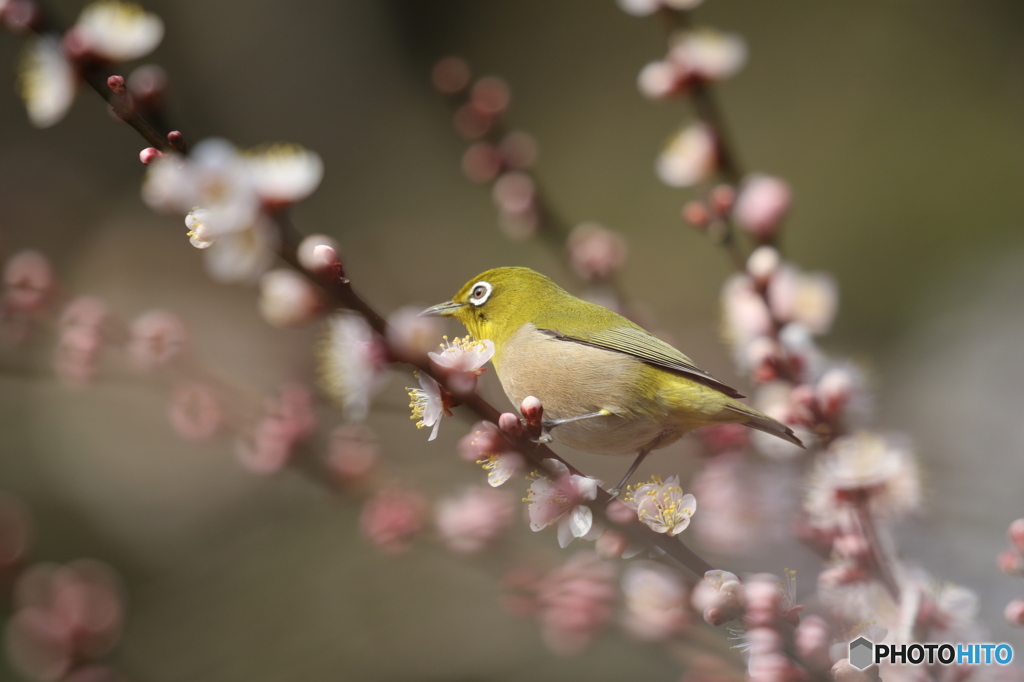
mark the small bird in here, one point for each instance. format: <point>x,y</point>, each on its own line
<point>608,386</point>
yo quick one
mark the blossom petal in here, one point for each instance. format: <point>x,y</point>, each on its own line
<point>581,518</point>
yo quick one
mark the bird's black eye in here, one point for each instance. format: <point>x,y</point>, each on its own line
<point>480,292</point>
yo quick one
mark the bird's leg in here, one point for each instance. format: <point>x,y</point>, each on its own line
<point>547,425</point>
<point>614,492</point>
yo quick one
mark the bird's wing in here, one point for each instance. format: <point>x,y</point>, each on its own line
<point>647,348</point>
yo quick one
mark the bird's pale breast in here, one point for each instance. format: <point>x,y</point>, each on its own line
<point>571,379</point>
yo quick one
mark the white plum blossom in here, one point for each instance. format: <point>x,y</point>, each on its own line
<point>561,501</point>
<point>662,505</point>
<point>352,364</point>
<point>690,157</point>
<point>464,355</point>
<point>708,54</point>
<point>241,257</point>
<point>863,467</point>
<point>46,80</point>
<point>643,8</point>
<point>810,299</point>
<point>501,466</point>
<point>118,31</point>
<point>283,174</point>
<point>428,404</point>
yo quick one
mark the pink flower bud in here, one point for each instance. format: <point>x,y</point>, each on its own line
<point>116,84</point>
<point>450,75</point>
<point>1016,535</point>
<point>1014,612</point>
<point>491,95</point>
<point>762,205</point>
<point>483,439</point>
<point>722,198</point>
<point>762,264</point>
<point>696,214</point>
<point>659,80</point>
<point>1011,562</point>
<point>481,162</point>
<point>149,155</point>
<point>176,140</point>
<point>719,596</point>
<point>532,410</point>
<point>518,150</point>
<point>510,424</point>
<point>471,122</point>
<point>318,254</point>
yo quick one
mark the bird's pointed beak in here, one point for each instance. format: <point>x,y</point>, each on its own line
<point>446,309</point>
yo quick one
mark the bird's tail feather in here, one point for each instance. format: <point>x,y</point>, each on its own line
<point>762,422</point>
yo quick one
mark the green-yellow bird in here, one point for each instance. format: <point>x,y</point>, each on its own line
<point>608,385</point>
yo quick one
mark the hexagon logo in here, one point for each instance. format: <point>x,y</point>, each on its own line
<point>861,650</point>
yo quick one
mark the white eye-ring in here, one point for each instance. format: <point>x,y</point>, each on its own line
<point>480,292</point>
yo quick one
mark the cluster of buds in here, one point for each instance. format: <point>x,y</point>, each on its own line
<point>1011,562</point>
<point>494,156</point>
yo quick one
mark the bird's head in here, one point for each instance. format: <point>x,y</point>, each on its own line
<point>494,304</point>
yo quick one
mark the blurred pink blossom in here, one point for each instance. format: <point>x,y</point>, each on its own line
<point>82,340</point>
<point>195,411</point>
<point>762,205</point>
<point>156,339</point>
<point>29,284</point>
<point>813,639</point>
<point>690,157</point>
<point>116,31</point>
<point>1014,612</point>
<point>719,597</point>
<point>64,616</point>
<point>809,299</point>
<point>353,453</point>
<point>474,520</point>
<point>353,364</point>
<point>288,420</point>
<point>393,518</point>
<point>288,300</point>
<point>863,468</point>
<point>574,603</point>
<point>656,601</point>
<point>596,253</point>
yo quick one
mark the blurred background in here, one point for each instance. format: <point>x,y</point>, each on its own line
<point>898,125</point>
